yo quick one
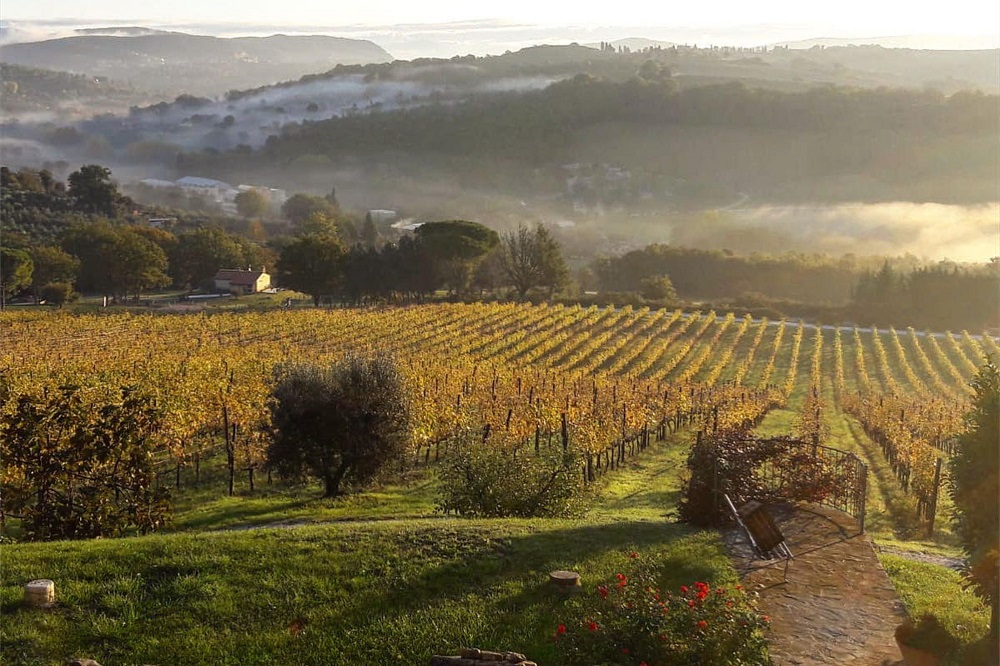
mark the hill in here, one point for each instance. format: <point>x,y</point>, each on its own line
<point>174,63</point>
<point>677,144</point>
<point>62,94</point>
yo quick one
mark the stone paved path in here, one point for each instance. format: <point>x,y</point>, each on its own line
<point>834,604</point>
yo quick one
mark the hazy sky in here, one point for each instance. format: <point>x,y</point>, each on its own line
<point>828,18</point>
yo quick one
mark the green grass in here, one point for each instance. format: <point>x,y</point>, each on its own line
<point>929,588</point>
<point>366,590</point>
<point>374,592</point>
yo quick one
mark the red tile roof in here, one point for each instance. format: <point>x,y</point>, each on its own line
<point>239,278</point>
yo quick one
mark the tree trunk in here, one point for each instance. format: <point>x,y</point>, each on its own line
<point>332,479</point>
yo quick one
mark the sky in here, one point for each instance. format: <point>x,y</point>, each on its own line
<point>840,18</point>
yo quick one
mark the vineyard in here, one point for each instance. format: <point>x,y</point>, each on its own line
<point>598,381</point>
<point>251,566</point>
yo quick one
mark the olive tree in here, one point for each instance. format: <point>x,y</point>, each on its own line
<point>338,423</point>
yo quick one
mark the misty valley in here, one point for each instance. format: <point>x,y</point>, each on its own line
<point>750,150</point>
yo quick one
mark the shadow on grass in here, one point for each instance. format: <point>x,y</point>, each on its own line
<point>521,566</point>
<point>665,502</point>
<point>224,512</point>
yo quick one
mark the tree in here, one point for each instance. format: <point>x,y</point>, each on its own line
<point>409,268</point>
<point>93,246</point>
<point>658,288</point>
<point>199,255</point>
<point>52,265</point>
<point>312,264</point>
<point>299,207</point>
<point>252,203</point>
<point>455,247</point>
<point>975,487</point>
<point>115,261</point>
<point>15,272</point>
<point>93,190</point>
<point>338,423</point>
<point>369,233</point>
<point>139,264</point>
<point>532,259</point>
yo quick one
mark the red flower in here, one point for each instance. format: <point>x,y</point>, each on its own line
<point>663,638</point>
<point>702,594</point>
<point>603,591</point>
<point>620,576</point>
<point>642,663</point>
<point>561,629</point>
<point>684,589</point>
<point>691,603</point>
<point>702,624</point>
<point>767,619</point>
<point>634,555</point>
<point>625,651</point>
<point>592,626</point>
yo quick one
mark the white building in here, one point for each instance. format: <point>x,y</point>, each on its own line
<point>216,190</point>
<point>242,281</point>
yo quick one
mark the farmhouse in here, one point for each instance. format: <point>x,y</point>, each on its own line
<point>242,281</point>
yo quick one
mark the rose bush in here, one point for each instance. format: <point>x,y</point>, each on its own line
<point>630,621</point>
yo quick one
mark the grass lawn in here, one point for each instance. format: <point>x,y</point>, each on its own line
<point>381,588</point>
<point>929,588</point>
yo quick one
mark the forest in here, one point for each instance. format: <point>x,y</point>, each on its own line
<point>908,141</point>
<point>337,256</point>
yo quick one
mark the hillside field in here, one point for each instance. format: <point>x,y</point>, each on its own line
<point>275,574</point>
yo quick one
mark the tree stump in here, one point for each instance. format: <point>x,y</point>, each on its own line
<point>565,579</point>
<point>40,593</point>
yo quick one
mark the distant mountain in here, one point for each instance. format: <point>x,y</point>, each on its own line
<point>64,95</point>
<point>174,63</point>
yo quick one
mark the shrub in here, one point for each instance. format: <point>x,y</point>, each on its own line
<point>58,293</point>
<point>926,634</point>
<point>489,480</point>
<point>631,621</point>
